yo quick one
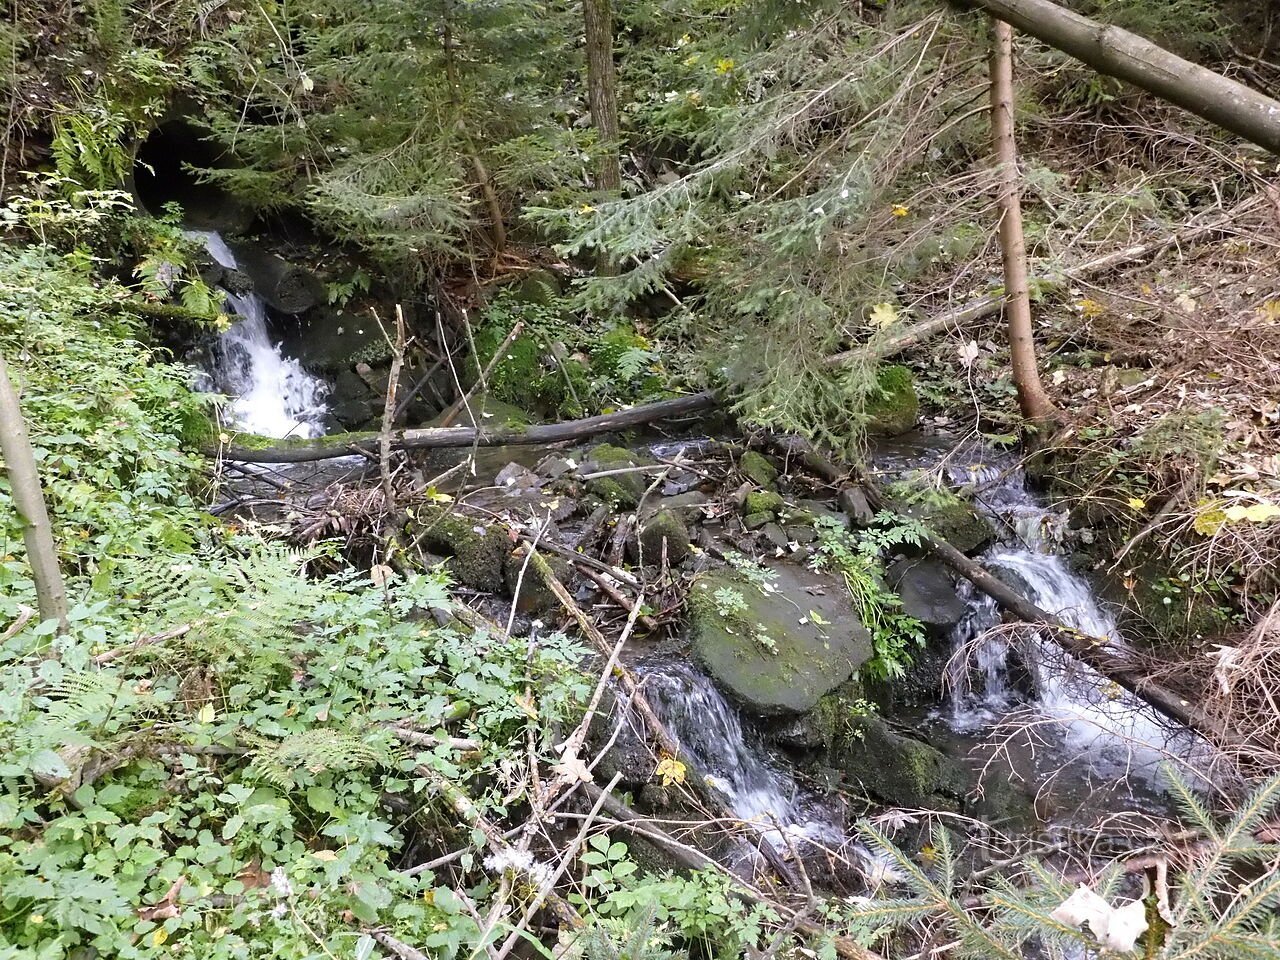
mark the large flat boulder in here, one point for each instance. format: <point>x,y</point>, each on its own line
<point>777,648</point>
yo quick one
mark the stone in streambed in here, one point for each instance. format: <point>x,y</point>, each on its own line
<point>807,617</point>
<point>757,469</point>
<point>884,762</point>
<point>893,406</point>
<point>663,527</point>
<point>761,501</point>
<point>620,490</point>
<point>532,592</point>
<point>476,550</point>
<point>927,592</point>
<point>949,515</point>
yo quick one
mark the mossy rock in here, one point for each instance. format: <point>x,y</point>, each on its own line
<point>534,595</point>
<point>528,374</point>
<point>819,643</point>
<point>476,549</point>
<point>893,767</point>
<point>662,526</point>
<point>622,490</point>
<point>893,406</point>
<point>762,501</point>
<point>949,515</point>
<point>756,468</point>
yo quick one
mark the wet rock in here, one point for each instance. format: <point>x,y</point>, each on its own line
<point>775,535</point>
<point>627,752</point>
<point>754,521</point>
<point>853,502</point>
<point>680,482</point>
<point>516,477</point>
<point>663,527</point>
<point>476,551</point>
<point>893,407</point>
<point>553,467</point>
<point>756,468</point>
<point>810,511</point>
<point>621,490</point>
<point>534,594</point>
<point>689,507</point>
<point>734,624</point>
<point>927,591</point>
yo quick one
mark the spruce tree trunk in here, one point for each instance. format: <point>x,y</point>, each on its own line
<point>1127,56</point>
<point>602,96</point>
<point>1032,399</point>
<point>28,500</point>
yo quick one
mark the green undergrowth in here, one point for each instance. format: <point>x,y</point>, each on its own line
<point>565,365</point>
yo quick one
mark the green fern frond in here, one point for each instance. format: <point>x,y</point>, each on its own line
<point>315,751</point>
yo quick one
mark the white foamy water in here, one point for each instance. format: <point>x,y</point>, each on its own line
<point>1118,732</point>
<point>271,394</point>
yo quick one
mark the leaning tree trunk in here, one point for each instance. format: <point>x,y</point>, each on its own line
<point>28,500</point>
<point>1034,402</point>
<point>1127,56</point>
<point>602,95</point>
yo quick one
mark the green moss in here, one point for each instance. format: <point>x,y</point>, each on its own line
<point>893,407</point>
<point>528,374</point>
<point>621,489</point>
<point>662,526</point>
<point>949,515</point>
<point>762,501</point>
<point>476,549</point>
<point>757,469</point>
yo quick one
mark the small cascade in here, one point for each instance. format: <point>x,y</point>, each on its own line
<point>1120,731</point>
<point>709,728</point>
<point>272,395</point>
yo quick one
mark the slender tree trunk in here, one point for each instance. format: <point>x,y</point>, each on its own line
<point>602,96</point>
<point>1127,56</point>
<point>28,500</point>
<point>1032,399</point>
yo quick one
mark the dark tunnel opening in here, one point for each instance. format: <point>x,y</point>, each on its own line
<point>163,173</point>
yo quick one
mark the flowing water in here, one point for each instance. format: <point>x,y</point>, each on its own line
<point>1090,718</point>
<point>710,729</point>
<point>271,394</point>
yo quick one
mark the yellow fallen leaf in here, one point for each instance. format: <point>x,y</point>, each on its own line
<point>158,936</point>
<point>725,65</point>
<point>586,208</point>
<point>1137,503</point>
<point>900,211</point>
<point>884,315</point>
<point>671,771</point>
<point>327,856</point>
<point>206,714</point>
<point>1270,311</point>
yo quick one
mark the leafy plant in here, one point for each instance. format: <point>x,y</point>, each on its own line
<point>857,562</point>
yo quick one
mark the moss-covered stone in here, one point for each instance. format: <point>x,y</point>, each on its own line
<point>897,769</point>
<point>534,594</point>
<point>949,515</point>
<point>490,413</point>
<point>477,549</point>
<point>780,651</point>
<point>756,468</point>
<point>754,521</point>
<point>662,526</point>
<point>893,406</point>
<point>621,490</point>
<point>762,501</point>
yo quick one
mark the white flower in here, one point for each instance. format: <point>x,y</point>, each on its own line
<point>280,882</point>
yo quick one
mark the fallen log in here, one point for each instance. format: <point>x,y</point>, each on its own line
<point>1127,56</point>
<point>1095,652</point>
<point>425,438</point>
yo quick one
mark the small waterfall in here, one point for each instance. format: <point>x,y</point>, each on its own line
<point>709,728</point>
<point>1120,731</point>
<point>272,395</point>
